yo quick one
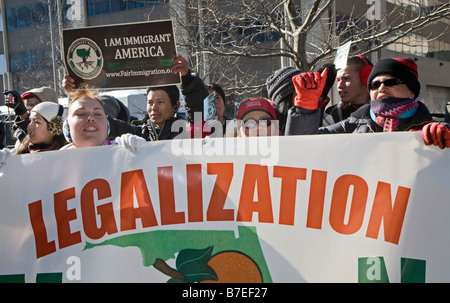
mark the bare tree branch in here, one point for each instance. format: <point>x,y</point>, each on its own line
<point>267,31</point>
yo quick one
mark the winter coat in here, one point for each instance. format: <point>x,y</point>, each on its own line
<point>148,130</point>
<point>194,91</point>
<point>301,122</point>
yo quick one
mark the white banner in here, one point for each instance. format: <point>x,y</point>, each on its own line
<point>325,208</point>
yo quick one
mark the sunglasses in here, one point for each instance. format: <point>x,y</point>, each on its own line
<point>388,82</point>
<point>251,123</point>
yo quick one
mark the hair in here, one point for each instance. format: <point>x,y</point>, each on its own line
<point>84,93</point>
<point>57,142</point>
<point>359,62</point>
<point>218,89</point>
<point>171,90</point>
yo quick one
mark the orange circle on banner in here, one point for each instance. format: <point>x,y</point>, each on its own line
<point>234,267</point>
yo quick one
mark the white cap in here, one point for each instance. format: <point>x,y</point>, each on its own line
<point>48,110</point>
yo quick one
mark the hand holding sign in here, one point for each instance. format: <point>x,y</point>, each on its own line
<point>180,65</point>
<point>68,83</point>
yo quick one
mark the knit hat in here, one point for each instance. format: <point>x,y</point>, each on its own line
<point>279,84</point>
<point>52,113</point>
<point>111,105</point>
<point>43,93</point>
<point>256,104</point>
<point>404,69</point>
<point>115,108</point>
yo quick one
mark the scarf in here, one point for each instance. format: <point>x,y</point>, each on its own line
<point>39,147</point>
<point>386,112</point>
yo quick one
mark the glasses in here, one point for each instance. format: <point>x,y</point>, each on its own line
<point>252,123</point>
<point>388,82</point>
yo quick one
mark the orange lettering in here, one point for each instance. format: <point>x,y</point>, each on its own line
<point>339,204</point>
<point>289,177</point>
<point>216,211</point>
<point>167,197</point>
<point>43,247</point>
<point>392,216</point>
<point>316,199</point>
<point>134,181</point>
<point>63,217</point>
<point>194,192</point>
<point>105,211</point>
<point>255,176</point>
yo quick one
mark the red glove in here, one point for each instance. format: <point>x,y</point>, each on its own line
<point>309,87</point>
<point>436,134</point>
<point>199,129</point>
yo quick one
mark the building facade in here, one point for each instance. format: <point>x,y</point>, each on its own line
<point>32,31</point>
<point>31,39</point>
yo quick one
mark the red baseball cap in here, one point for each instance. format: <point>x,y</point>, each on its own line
<point>256,104</point>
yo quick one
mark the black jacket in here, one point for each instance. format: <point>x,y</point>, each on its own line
<point>148,130</point>
<point>302,122</point>
<point>194,91</point>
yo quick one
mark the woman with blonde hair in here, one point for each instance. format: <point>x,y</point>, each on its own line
<point>87,124</point>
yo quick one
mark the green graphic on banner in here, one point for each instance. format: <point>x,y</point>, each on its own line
<point>413,270</point>
<point>208,245</point>
<point>373,270</point>
<point>40,278</point>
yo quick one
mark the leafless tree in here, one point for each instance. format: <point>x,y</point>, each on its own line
<point>217,35</point>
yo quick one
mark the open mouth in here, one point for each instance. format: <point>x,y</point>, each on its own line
<point>90,129</point>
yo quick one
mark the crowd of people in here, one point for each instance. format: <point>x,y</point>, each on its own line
<point>380,97</point>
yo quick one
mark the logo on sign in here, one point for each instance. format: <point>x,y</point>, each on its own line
<point>85,58</point>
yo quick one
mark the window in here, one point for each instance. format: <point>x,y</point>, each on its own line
<point>15,62</point>
<point>98,7</point>
<point>90,7</point>
<point>27,60</point>
<point>40,13</point>
<point>27,16</point>
<point>24,16</point>
<point>102,7</point>
<point>2,64</point>
<point>134,4</point>
<point>118,5</point>
<point>30,61</point>
<point>421,46</point>
<point>11,18</point>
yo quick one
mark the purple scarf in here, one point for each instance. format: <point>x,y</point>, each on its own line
<point>388,111</point>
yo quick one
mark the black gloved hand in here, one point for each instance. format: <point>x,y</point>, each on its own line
<point>17,104</point>
<point>2,134</point>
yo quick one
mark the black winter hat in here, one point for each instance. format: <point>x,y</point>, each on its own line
<point>279,84</point>
<point>115,108</point>
<point>404,69</point>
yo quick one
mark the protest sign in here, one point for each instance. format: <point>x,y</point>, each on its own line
<point>121,56</point>
<point>372,208</point>
<point>209,107</point>
<point>340,61</point>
